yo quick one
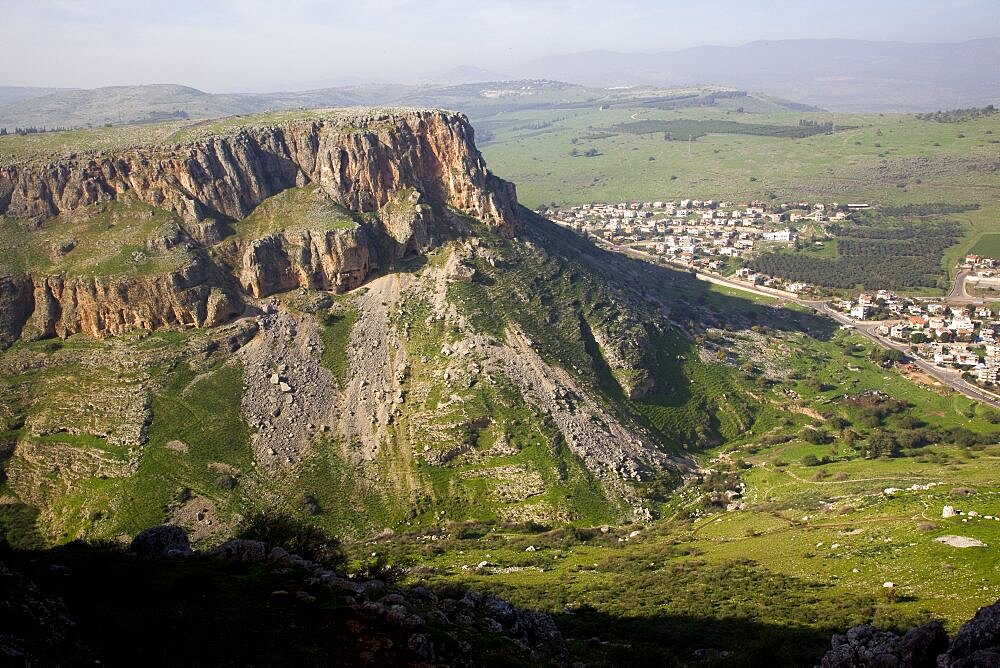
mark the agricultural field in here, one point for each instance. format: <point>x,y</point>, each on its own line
<point>988,245</point>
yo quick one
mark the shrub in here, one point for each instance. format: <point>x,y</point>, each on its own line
<point>297,537</point>
<point>815,436</point>
<point>226,481</point>
<point>377,567</point>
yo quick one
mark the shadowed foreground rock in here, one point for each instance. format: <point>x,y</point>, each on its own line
<point>247,602</point>
<point>977,645</point>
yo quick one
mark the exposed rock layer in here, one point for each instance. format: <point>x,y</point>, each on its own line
<point>361,162</point>
<point>406,169</point>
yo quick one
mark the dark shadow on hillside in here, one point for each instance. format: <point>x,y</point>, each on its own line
<point>601,639</point>
<point>687,299</point>
<point>83,603</point>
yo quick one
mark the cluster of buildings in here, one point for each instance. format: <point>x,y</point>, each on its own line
<point>706,235</point>
<point>964,337</point>
<point>690,230</point>
<point>984,272</point>
<point>711,235</point>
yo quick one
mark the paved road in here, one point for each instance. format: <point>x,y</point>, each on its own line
<point>958,294</point>
<point>952,379</point>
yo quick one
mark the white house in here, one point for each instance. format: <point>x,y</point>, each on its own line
<point>785,235</point>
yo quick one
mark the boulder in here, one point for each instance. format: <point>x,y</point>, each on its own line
<point>166,540</point>
<point>242,550</point>
<point>870,647</point>
<point>977,643</point>
<point>960,541</point>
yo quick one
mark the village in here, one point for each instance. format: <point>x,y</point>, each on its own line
<point>712,237</point>
<point>704,235</point>
<point>963,337</point>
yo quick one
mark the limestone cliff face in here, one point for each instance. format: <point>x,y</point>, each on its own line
<point>195,296</point>
<point>359,161</point>
<point>404,170</point>
<point>333,260</point>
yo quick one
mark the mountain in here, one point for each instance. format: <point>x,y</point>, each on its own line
<point>343,313</point>
<point>836,74</point>
<point>278,328</point>
<point>13,94</point>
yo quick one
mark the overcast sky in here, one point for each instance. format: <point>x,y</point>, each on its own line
<point>260,45</point>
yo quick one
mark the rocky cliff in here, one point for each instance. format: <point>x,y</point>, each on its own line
<point>400,174</point>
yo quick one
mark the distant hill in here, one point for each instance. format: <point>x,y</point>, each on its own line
<point>836,74</point>
<point>73,108</point>
<point>12,94</point>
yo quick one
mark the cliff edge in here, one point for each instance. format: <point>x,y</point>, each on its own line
<point>107,231</point>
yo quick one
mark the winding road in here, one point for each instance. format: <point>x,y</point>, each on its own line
<point>958,294</point>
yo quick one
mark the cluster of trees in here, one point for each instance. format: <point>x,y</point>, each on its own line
<point>892,255</point>
<point>30,131</point>
<point>846,273</point>
<point>682,129</point>
<point>958,115</point>
<point>886,443</point>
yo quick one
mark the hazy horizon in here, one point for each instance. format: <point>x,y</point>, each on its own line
<point>225,46</point>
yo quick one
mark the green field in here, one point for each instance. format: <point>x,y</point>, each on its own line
<point>988,245</point>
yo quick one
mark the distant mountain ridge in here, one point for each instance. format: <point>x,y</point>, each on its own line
<point>836,74</point>
<point>116,105</point>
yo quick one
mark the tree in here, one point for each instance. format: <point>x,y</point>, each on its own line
<point>882,444</point>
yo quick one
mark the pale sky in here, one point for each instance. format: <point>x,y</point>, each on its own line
<point>266,45</point>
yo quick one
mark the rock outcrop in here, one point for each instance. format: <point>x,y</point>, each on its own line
<point>361,160</point>
<point>976,644</point>
<point>402,173</point>
<point>198,295</point>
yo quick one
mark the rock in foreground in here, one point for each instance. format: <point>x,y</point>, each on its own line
<point>977,645</point>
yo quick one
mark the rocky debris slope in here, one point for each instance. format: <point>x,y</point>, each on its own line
<point>611,450</point>
<point>376,361</point>
<point>287,395</point>
<point>976,645</point>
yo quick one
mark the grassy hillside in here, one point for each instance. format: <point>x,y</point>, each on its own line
<point>119,238</point>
